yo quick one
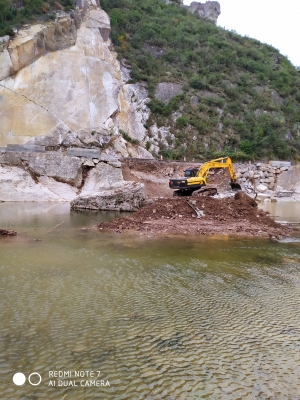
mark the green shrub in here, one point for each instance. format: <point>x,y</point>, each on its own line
<point>181,122</point>
<point>197,82</point>
<point>129,138</point>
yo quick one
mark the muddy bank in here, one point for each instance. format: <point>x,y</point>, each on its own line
<point>238,215</point>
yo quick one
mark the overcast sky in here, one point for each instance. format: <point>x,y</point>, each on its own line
<point>270,21</point>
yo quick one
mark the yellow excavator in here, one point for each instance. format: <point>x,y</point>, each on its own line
<point>195,178</point>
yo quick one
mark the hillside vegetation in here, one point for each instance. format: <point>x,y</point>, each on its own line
<point>14,13</point>
<point>245,94</point>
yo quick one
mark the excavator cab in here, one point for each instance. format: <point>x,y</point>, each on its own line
<point>189,173</point>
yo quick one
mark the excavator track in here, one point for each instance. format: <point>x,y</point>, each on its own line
<point>205,191</point>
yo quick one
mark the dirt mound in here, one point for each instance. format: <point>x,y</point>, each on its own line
<point>236,216</point>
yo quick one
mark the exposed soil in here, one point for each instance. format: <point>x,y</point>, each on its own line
<point>238,215</point>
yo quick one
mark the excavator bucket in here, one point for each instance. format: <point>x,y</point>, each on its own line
<point>235,186</point>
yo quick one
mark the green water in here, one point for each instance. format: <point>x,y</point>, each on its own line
<point>205,318</point>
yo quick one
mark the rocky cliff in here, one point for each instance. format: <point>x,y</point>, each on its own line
<point>61,81</point>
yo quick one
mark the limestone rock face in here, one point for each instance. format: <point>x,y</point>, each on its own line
<point>16,184</point>
<point>4,40</point>
<point>209,10</point>
<point>127,196</point>
<point>62,168</point>
<point>62,91</point>
<point>62,86</point>
<point>34,40</point>
<point>133,111</point>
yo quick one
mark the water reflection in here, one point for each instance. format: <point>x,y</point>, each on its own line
<point>283,211</point>
<point>160,318</point>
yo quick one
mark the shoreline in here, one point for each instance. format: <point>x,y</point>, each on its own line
<point>235,216</point>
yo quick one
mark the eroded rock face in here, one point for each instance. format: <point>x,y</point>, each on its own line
<point>16,184</point>
<point>62,86</point>
<point>62,168</point>
<point>70,90</point>
<point>34,40</point>
<point>209,10</point>
<point>133,110</point>
<point>126,196</point>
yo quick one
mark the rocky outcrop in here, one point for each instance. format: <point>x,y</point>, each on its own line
<point>174,2</point>
<point>61,86</point>
<point>128,196</point>
<point>64,91</point>
<point>133,111</point>
<point>33,41</point>
<point>54,176</point>
<point>209,10</point>
<point>17,184</point>
<point>57,166</point>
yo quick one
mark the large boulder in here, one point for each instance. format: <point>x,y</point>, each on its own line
<point>62,168</point>
<point>122,196</point>
<point>290,179</point>
<point>100,177</point>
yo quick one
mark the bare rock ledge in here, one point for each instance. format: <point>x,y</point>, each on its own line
<point>127,196</point>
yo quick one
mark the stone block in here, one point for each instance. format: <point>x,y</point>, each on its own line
<point>279,164</point>
<point>89,163</point>
<point>62,168</point>
<point>261,188</point>
<point>82,152</point>
<point>262,197</point>
<point>26,148</point>
<point>284,193</point>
